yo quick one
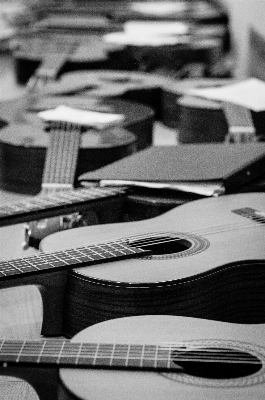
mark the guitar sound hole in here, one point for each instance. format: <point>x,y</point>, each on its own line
<point>160,245</point>
<point>212,363</point>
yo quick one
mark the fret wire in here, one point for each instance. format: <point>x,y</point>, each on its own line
<point>20,351</point>
<point>73,151</point>
<point>41,351</point>
<point>94,252</point>
<point>88,350</point>
<point>78,354</point>
<point>16,268</point>
<point>45,349</point>
<point>58,155</point>
<point>156,357</point>
<point>235,118</point>
<point>127,355</point>
<point>2,344</point>
<point>60,352</point>
<point>70,350</point>
<point>169,356</point>
<point>47,201</point>
<point>70,147</point>
<point>162,355</point>
<point>150,351</point>
<point>59,170</point>
<point>134,350</point>
<point>68,257</point>
<point>141,357</point>
<point>112,354</point>
<point>96,354</point>
<point>31,349</point>
<point>121,350</point>
<point>105,350</point>
<point>49,159</point>
<point>75,136</point>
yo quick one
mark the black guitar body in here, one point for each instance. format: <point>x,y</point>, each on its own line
<point>203,121</point>
<point>140,87</point>
<point>174,90</point>
<point>27,142</point>
<point>31,48</point>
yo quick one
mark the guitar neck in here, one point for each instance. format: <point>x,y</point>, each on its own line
<point>61,157</point>
<point>56,54</point>
<point>240,123</point>
<point>61,352</point>
<point>58,204</point>
<point>62,260</point>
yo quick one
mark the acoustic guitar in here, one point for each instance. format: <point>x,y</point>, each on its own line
<point>65,131</point>
<point>45,52</point>
<point>204,244</point>
<point>57,204</point>
<point>204,120</point>
<point>140,87</point>
<point>25,139</point>
<point>154,357</point>
<point>194,247</point>
<point>173,91</point>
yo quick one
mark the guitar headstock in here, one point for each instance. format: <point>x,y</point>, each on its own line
<point>68,116</point>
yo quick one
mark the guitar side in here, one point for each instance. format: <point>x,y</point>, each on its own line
<point>220,276</point>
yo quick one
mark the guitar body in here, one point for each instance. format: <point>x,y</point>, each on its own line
<point>169,56</point>
<point>206,244</point>
<point>172,94</point>
<point>201,121</point>
<point>192,384</point>
<point>25,139</point>
<point>32,48</point>
<point>145,204</point>
<point>140,87</point>
<point>138,118</point>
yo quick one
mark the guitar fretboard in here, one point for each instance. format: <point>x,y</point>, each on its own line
<point>65,201</point>
<point>61,260</point>
<point>254,215</point>
<point>60,352</point>
<point>56,54</point>
<point>240,124</point>
<point>62,155</point>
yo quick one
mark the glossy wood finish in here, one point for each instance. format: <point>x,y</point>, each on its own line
<point>179,281</point>
<point>236,341</point>
<point>140,87</point>
<point>28,142</point>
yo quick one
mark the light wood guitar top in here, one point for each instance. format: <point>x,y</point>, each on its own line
<point>192,239</point>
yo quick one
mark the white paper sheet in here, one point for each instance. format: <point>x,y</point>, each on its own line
<point>249,93</point>
<point>81,117</point>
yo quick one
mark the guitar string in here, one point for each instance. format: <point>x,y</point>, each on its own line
<point>72,195</point>
<point>67,198</point>
<point>202,355</point>
<point>44,256</point>
<point>62,153</point>
<point>61,172</point>
<point>149,238</point>
<point>260,219</point>
<point>70,155</point>
<point>242,116</point>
